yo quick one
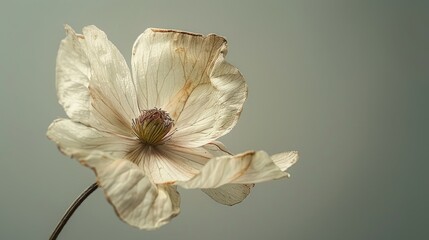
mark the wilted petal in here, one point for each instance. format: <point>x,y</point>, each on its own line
<point>72,136</point>
<point>186,74</point>
<point>72,77</point>
<point>135,199</point>
<point>246,168</point>
<point>229,194</point>
<point>285,159</point>
<point>94,83</point>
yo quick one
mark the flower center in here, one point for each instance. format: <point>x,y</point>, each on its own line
<point>153,126</point>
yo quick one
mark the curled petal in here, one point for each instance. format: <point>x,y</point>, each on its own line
<point>81,138</point>
<point>246,168</point>
<point>73,72</point>
<point>229,194</point>
<point>186,74</point>
<point>285,160</point>
<point>217,149</point>
<point>135,199</point>
<point>94,82</point>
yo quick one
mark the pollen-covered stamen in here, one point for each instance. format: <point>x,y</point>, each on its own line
<point>153,127</point>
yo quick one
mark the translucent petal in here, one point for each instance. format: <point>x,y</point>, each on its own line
<point>246,168</point>
<point>168,164</point>
<point>285,159</point>
<point>186,74</point>
<point>229,194</point>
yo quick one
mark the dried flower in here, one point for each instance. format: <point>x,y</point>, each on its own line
<point>147,131</point>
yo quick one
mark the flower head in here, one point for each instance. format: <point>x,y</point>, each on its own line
<point>146,131</point>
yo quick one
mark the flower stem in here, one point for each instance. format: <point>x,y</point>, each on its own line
<point>71,210</point>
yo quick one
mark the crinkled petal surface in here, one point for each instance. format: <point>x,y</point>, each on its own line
<point>168,163</point>
<point>94,82</point>
<point>163,165</point>
<point>246,168</point>
<point>228,194</point>
<point>135,199</point>
<point>69,135</point>
<point>73,73</point>
<point>186,74</point>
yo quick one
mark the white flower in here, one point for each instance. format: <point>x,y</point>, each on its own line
<point>147,131</point>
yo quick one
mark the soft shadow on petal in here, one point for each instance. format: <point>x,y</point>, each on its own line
<point>135,199</point>
<point>71,135</point>
<point>246,168</point>
<point>168,164</point>
<point>211,111</point>
<point>186,74</point>
<point>111,87</point>
<point>94,82</point>
<point>229,194</point>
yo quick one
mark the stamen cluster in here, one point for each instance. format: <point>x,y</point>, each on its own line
<point>153,127</point>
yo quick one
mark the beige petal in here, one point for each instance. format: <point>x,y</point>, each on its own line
<point>229,194</point>
<point>217,149</point>
<point>73,72</point>
<point>72,136</point>
<point>285,160</point>
<point>135,199</point>
<point>246,168</point>
<point>186,74</point>
<point>94,83</point>
<point>168,164</point>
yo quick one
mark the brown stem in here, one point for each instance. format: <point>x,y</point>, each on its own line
<point>71,210</point>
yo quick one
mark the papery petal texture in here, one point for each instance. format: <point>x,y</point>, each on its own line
<point>165,166</point>
<point>285,160</point>
<point>169,163</point>
<point>229,194</point>
<point>186,74</point>
<point>94,82</point>
<point>136,200</point>
<point>80,139</point>
<point>247,168</point>
<point>73,73</point>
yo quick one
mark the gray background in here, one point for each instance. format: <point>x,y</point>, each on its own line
<point>343,82</point>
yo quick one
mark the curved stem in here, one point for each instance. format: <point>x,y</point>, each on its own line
<point>71,210</point>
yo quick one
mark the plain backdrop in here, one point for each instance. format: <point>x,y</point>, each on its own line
<point>343,82</point>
